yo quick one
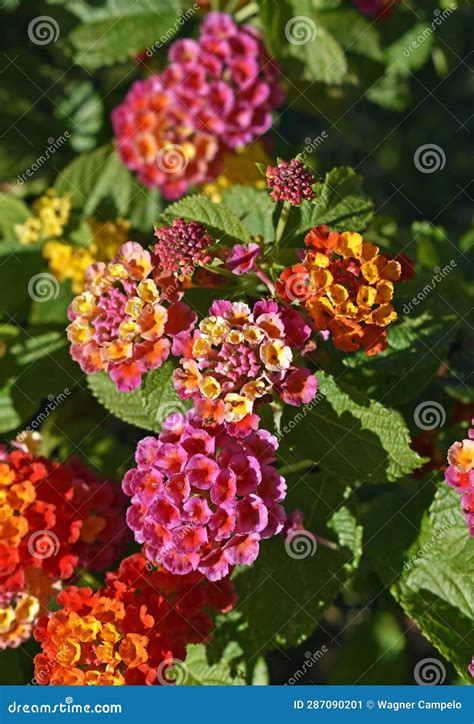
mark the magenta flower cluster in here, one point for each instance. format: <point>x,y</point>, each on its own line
<point>290,181</point>
<point>216,94</point>
<point>203,499</point>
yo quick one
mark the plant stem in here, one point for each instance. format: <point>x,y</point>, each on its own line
<point>296,467</point>
<point>282,221</point>
<point>266,280</point>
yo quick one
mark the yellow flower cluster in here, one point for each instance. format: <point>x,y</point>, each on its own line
<point>17,615</point>
<point>67,262</point>
<point>52,213</point>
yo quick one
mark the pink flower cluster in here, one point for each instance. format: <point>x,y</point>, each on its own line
<point>376,8</point>
<point>119,323</point>
<point>239,356</point>
<point>216,94</point>
<point>460,475</point>
<point>202,498</point>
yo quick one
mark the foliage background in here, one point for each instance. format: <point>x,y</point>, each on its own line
<point>376,107</point>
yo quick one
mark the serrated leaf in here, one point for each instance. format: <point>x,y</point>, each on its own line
<point>349,434</point>
<point>196,671</point>
<point>126,29</point>
<point>427,560</point>
<point>145,407</point>
<point>340,203</point>
<point>253,207</point>
<point>220,221</point>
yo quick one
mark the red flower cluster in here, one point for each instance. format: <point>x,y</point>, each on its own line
<point>134,630</point>
<point>54,517</point>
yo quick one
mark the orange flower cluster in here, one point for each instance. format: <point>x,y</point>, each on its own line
<point>132,631</point>
<point>346,286</point>
<point>53,517</point>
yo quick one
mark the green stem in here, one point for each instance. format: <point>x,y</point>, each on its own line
<point>282,221</point>
<point>246,12</point>
<point>296,467</point>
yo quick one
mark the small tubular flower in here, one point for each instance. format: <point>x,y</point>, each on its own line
<point>120,324</point>
<point>131,630</point>
<point>290,181</point>
<point>239,355</point>
<point>18,612</point>
<point>346,287</point>
<point>203,499</point>
<point>216,94</point>
<point>460,475</point>
<point>54,517</point>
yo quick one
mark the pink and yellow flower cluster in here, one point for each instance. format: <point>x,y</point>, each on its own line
<point>120,323</point>
<point>460,475</point>
<point>216,94</point>
<point>240,356</point>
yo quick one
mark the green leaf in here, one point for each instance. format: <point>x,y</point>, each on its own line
<point>296,35</point>
<point>253,207</point>
<point>220,221</point>
<point>36,368</point>
<point>126,29</point>
<point>417,345</point>
<point>98,179</point>
<point>196,671</point>
<point>340,203</point>
<point>299,579</point>
<point>427,559</point>
<point>145,407</point>
<point>355,33</point>
<point>12,211</point>
<point>19,265</point>
<point>407,54</point>
<point>349,434</point>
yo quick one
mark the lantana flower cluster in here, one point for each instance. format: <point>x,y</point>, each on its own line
<point>216,94</point>
<point>131,631</point>
<point>240,355</point>
<point>460,475</point>
<point>120,323</point>
<point>376,8</point>
<point>202,498</point>
<point>18,612</point>
<point>51,215</point>
<point>55,516</point>
<point>346,286</point>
